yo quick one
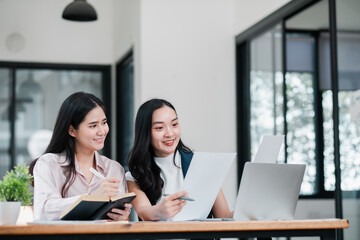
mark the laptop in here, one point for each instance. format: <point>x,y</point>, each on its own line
<point>269,149</point>
<point>268,191</point>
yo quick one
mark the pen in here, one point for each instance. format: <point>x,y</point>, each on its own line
<point>182,198</point>
<point>96,173</point>
<point>100,176</point>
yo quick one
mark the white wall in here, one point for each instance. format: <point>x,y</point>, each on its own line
<point>126,24</point>
<point>49,38</point>
<point>187,57</point>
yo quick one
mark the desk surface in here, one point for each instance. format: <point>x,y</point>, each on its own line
<point>164,227</point>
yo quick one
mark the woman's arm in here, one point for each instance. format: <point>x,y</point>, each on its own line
<point>220,208</point>
<point>48,202</point>
<point>167,208</point>
<point>112,186</point>
<point>48,181</point>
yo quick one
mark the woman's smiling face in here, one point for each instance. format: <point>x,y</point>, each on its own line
<point>91,133</point>
<point>165,131</point>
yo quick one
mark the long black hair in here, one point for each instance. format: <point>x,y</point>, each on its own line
<point>72,113</point>
<point>141,158</point>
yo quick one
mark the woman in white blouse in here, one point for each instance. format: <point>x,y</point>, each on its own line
<point>63,173</point>
<point>158,163</point>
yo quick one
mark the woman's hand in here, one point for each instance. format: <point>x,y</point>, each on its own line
<point>119,214</point>
<point>108,187</point>
<point>171,205</point>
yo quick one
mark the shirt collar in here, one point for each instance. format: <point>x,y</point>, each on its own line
<point>99,162</point>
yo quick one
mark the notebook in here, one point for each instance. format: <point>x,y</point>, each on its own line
<point>268,191</point>
<point>269,149</point>
<point>206,174</point>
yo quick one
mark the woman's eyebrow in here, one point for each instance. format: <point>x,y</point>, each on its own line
<point>159,122</point>
<point>97,121</point>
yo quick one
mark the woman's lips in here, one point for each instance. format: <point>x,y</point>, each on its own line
<point>169,142</point>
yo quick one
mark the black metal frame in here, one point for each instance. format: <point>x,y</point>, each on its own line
<point>243,73</point>
<point>13,66</point>
<point>276,17</point>
<point>120,87</point>
<point>242,100</point>
<point>335,90</point>
<point>242,88</point>
<point>318,121</point>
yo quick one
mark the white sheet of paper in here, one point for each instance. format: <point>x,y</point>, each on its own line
<point>355,106</point>
<point>269,149</point>
<point>206,174</point>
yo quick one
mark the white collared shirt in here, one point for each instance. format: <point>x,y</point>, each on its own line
<point>49,179</point>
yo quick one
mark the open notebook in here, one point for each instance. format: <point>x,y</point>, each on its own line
<point>268,191</point>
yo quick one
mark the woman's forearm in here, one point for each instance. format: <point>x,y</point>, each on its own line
<point>149,213</point>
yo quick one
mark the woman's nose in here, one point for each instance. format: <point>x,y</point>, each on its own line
<point>169,131</point>
<point>101,130</point>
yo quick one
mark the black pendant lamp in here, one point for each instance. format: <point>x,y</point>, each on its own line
<point>79,10</point>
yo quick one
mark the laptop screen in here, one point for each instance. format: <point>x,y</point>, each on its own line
<point>268,191</point>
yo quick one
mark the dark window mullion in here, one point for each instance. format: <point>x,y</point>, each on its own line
<point>106,95</point>
<point>12,117</point>
<point>319,129</point>
<point>273,66</point>
<point>243,106</point>
<point>335,91</point>
<point>284,69</point>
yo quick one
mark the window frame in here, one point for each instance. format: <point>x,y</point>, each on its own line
<point>242,42</point>
<point>106,92</point>
<point>123,86</point>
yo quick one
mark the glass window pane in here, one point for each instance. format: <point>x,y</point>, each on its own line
<point>39,94</point>
<point>300,106</point>
<point>5,90</point>
<point>300,125</point>
<point>328,126</point>
<point>266,78</point>
<point>307,58</point>
<point>348,51</point>
<point>349,135</point>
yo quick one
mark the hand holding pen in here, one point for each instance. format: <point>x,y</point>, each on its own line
<point>108,187</point>
<point>181,198</point>
<point>111,190</point>
<point>171,205</point>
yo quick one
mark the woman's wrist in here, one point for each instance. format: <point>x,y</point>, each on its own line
<point>149,213</point>
<point>156,212</point>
